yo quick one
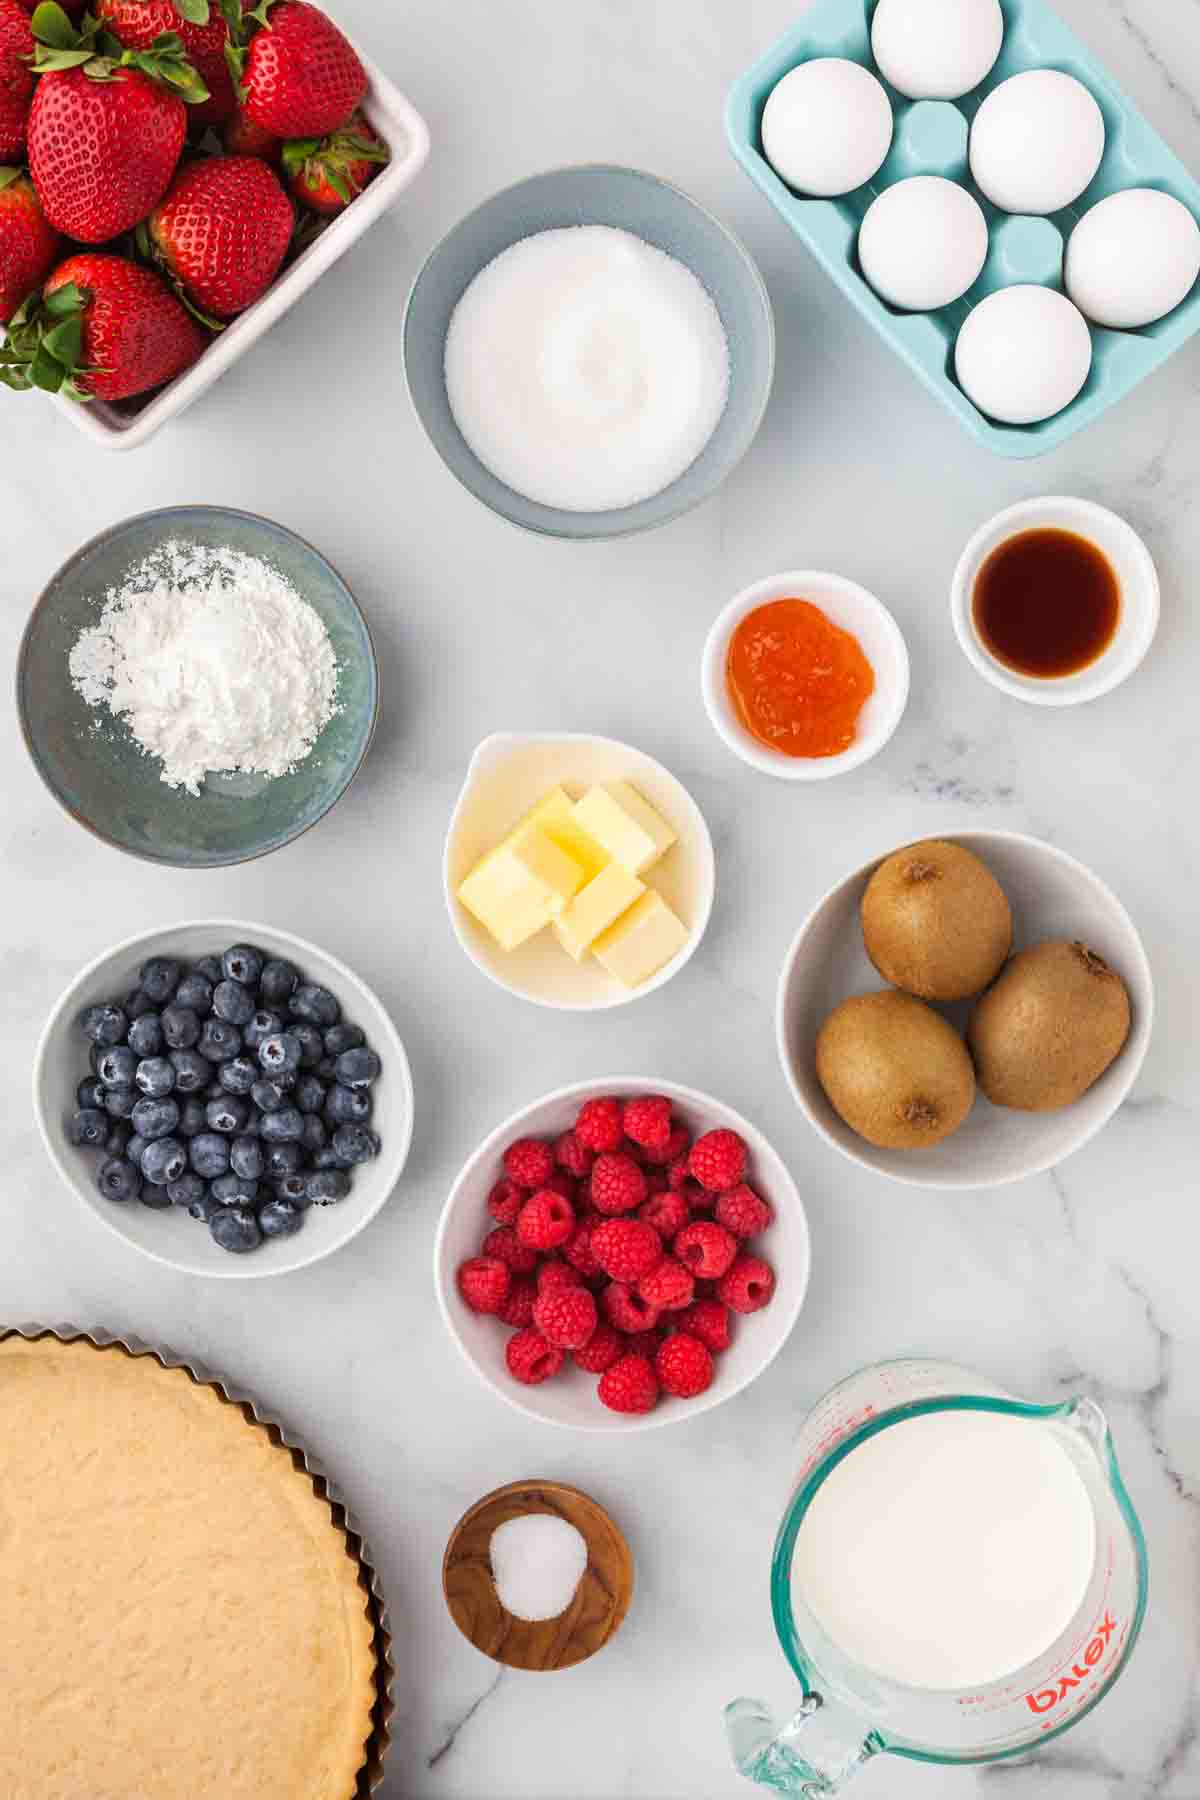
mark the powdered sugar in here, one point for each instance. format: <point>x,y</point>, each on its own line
<point>214,661</point>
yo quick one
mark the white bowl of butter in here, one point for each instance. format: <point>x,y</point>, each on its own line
<point>579,873</point>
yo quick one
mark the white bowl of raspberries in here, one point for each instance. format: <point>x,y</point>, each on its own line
<point>622,1254</point>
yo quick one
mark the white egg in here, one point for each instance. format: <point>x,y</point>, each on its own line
<point>1132,258</point>
<point>1023,354</point>
<point>827,126</point>
<point>1036,142</point>
<point>923,242</point>
<point>936,49</point>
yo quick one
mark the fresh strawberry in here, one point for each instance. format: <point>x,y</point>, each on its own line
<point>104,133</point>
<point>326,174</point>
<point>299,77</point>
<point>16,78</point>
<point>200,28</point>
<point>105,328</point>
<point>223,231</point>
<point>241,138</point>
<point>28,245</point>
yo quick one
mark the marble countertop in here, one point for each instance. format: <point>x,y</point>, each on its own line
<point>1081,1280</point>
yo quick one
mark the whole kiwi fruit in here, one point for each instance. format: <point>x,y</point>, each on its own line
<point>1049,1027</point>
<point>894,1070</point>
<point>935,921</point>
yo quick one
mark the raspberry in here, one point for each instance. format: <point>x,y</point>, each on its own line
<point>668,1213</point>
<point>706,1249</point>
<point>626,1248</point>
<point>668,1286</point>
<point>718,1160</point>
<point>677,1174</point>
<point>530,1358</point>
<point>699,1199</point>
<point>599,1126</point>
<point>709,1321</point>
<point>517,1310</point>
<point>578,1248</point>
<point>618,1185</point>
<point>565,1316</point>
<point>530,1163</point>
<point>677,1145</point>
<point>505,1202</point>
<point>648,1121</point>
<point>630,1386</point>
<point>625,1308</point>
<point>705,1290</point>
<point>545,1221</point>
<point>554,1274</point>
<point>561,1183</point>
<point>483,1282</point>
<point>743,1212</point>
<point>572,1156</point>
<point>642,1343</point>
<point>504,1243</point>
<point>656,1183</point>
<point>748,1285</point>
<point>684,1366</point>
<point>602,1350</point>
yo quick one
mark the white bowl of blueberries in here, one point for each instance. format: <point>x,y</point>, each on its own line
<point>226,1097</point>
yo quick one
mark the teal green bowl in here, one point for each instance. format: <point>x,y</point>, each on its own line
<point>90,760</point>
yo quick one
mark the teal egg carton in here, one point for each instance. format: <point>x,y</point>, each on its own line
<point>930,138</point>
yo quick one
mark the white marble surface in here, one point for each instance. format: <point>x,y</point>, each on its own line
<point>1085,1279</point>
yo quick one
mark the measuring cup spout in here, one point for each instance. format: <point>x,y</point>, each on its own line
<point>815,1754</point>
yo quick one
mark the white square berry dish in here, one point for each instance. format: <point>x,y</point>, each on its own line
<point>569,1397</point>
<point>406,134</point>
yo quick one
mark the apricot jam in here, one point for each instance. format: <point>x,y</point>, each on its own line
<point>797,681</point>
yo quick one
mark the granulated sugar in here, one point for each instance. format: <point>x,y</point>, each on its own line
<point>213,660</point>
<point>537,1562</point>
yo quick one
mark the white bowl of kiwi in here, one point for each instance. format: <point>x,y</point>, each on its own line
<point>964,1011</point>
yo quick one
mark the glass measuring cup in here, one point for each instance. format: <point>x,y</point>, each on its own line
<point>850,1714</point>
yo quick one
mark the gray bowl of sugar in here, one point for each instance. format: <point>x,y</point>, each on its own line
<point>92,760</point>
<point>661,216</point>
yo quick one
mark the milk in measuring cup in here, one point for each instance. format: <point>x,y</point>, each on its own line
<point>948,1550</point>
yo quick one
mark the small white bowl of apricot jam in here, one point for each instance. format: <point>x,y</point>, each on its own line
<point>805,675</point>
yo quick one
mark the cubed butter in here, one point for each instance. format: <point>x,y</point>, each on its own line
<point>624,825</point>
<point>642,941</point>
<point>520,886</point>
<point>555,815</point>
<point>595,907</point>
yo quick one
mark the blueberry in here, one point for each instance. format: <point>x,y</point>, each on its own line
<point>187,1189</point>
<point>214,1091</point>
<point>118,1140</point>
<point>208,1154</point>
<point>235,1190</point>
<point>280,1054</point>
<point>194,993</point>
<point>308,1095</point>
<point>120,1102</point>
<point>250,1128</point>
<point>90,1092</point>
<point>279,1219</point>
<point>146,1035</point>
<point>89,1128</point>
<point>133,1150</point>
<point>278,981</point>
<point>326,1070</point>
<point>155,1118</point>
<point>266,1096</point>
<point>154,1195</point>
<point>205,1205</point>
<point>358,1068</point>
<point>235,1228</point>
<point>180,1025</point>
<point>326,1158</point>
<point>210,968</point>
<point>314,1135</point>
<point>343,1037</point>
<point>138,1003</point>
<point>163,1161</point>
<point>312,1049</point>
<point>246,1158</point>
<point>283,1127</point>
<point>233,1002</point>
<point>118,1180</point>
<point>105,1024</point>
<point>116,1066</point>
<point>243,963</point>
<point>348,1106</point>
<point>293,1189</point>
<point>192,1071</point>
<point>192,1117</point>
<point>155,1076</point>
<point>327,1186</point>
<point>355,1144</point>
<point>315,1005</point>
<point>262,1025</point>
<point>159,978</point>
<point>284,1159</point>
<point>227,1115</point>
<point>220,1041</point>
<point>238,1075</point>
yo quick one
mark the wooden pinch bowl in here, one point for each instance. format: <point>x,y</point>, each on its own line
<point>601,1600</point>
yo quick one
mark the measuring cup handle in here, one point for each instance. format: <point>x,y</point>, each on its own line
<point>831,1749</point>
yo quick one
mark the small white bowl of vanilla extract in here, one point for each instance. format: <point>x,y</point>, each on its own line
<point>1055,601</point>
